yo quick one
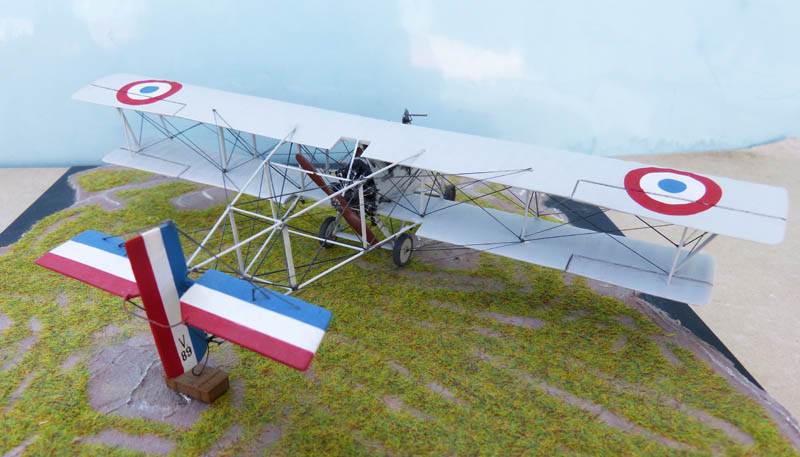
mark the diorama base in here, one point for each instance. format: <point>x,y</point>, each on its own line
<point>207,387</point>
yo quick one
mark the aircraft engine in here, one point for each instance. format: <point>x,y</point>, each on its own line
<point>360,168</point>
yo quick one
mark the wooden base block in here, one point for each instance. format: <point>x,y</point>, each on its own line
<point>207,387</point>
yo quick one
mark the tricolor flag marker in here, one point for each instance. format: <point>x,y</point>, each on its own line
<point>180,310</point>
<point>283,328</point>
<point>96,259</point>
<point>160,270</point>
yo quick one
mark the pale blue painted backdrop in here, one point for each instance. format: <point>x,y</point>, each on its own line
<point>616,77</point>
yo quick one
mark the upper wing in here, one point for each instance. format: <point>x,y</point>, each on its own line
<point>260,116</point>
<point>718,205</point>
<point>724,206</point>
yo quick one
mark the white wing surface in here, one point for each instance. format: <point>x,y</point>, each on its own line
<point>718,205</point>
<point>176,160</point>
<point>615,259</point>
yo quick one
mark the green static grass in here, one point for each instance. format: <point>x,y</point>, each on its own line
<point>396,337</point>
<point>106,179</point>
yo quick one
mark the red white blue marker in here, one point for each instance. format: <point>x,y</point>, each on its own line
<point>96,259</point>
<point>283,328</point>
<point>160,270</point>
<point>147,91</point>
<point>152,266</point>
<point>672,192</point>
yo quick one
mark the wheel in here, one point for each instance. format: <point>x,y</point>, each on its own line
<point>449,192</point>
<point>327,231</point>
<point>401,253</point>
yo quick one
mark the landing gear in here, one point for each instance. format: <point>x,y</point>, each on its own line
<point>327,231</point>
<point>401,253</point>
<point>401,250</point>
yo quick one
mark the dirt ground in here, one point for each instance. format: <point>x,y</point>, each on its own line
<point>738,314</point>
<point>142,394</point>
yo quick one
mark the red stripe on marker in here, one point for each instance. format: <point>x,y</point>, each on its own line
<point>89,275</point>
<point>153,306</point>
<point>122,93</point>
<point>634,188</point>
<point>275,349</point>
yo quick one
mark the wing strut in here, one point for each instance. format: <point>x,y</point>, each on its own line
<point>129,136</point>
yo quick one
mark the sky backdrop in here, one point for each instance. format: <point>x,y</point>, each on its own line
<point>607,78</point>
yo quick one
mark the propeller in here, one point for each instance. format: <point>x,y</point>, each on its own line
<point>348,214</point>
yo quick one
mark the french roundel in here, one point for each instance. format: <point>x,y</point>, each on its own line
<point>672,192</point>
<point>146,92</point>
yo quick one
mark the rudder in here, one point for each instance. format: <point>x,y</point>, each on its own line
<point>159,267</point>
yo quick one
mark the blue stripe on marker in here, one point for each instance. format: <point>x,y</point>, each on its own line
<point>199,342</point>
<point>177,262</point>
<point>284,304</point>
<point>102,241</point>
<point>672,186</point>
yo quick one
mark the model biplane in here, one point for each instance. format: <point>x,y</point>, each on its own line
<point>383,184</point>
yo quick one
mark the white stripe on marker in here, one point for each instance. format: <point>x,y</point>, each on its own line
<point>276,325</point>
<point>159,262</point>
<point>96,258</point>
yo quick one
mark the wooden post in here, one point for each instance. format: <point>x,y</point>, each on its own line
<point>207,387</point>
